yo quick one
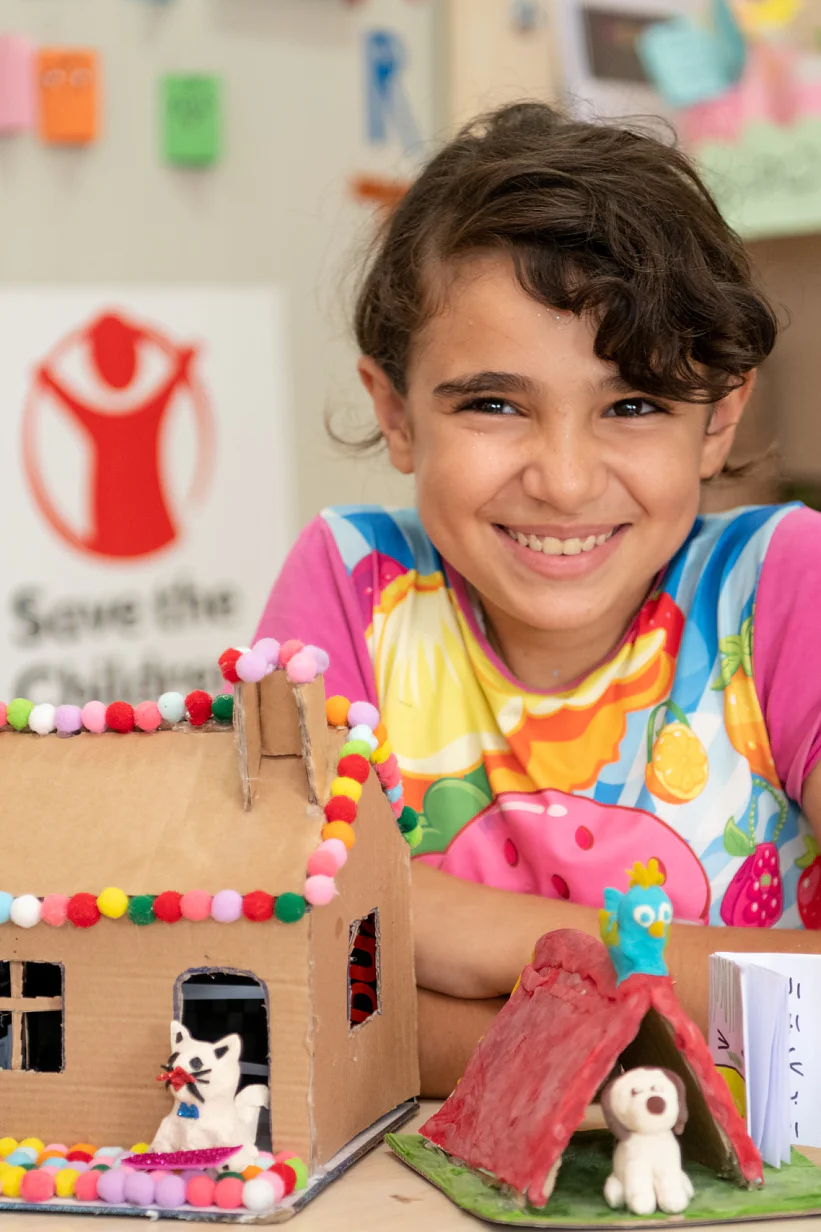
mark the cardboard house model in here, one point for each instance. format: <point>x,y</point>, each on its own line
<point>224,813</point>
<point>563,1033</point>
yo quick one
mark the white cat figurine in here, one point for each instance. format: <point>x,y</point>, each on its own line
<point>207,1110</point>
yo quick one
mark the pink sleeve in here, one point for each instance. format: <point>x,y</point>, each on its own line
<point>787,647</point>
<point>313,600</point>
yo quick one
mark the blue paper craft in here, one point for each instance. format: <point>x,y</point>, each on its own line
<point>388,110</point>
<point>689,63</point>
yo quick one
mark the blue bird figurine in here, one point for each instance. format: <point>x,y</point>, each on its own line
<point>634,926</point>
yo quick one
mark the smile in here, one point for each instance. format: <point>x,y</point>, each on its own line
<point>550,546</point>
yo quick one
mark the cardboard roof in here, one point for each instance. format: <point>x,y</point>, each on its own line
<point>148,813</point>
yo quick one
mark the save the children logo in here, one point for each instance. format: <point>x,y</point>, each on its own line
<point>106,411</point>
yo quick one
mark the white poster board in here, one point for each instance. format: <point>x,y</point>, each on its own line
<point>146,471</point>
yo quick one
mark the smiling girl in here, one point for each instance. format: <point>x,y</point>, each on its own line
<point>559,335</point>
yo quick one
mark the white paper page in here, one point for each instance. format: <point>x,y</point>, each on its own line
<point>726,1031</point>
<point>766,1010</point>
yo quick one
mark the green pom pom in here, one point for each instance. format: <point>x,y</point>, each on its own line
<point>289,908</point>
<point>222,708</point>
<point>141,909</point>
<point>414,837</point>
<point>27,1167</point>
<point>100,1168</point>
<point>301,1170</point>
<point>236,1175</point>
<point>408,821</point>
<point>18,713</point>
<point>356,748</point>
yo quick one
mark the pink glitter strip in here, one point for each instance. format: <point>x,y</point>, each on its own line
<point>209,1157</point>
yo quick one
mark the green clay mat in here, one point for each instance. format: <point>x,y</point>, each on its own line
<point>577,1200</point>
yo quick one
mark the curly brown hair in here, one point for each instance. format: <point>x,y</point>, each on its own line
<point>597,218</point>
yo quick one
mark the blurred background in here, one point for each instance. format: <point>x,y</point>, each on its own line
<point>187,191</point>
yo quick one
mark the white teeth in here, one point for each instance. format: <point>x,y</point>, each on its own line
<point>550,546</point>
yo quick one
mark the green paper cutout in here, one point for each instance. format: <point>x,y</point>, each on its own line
<point>190,110</point>
<point>577,1200</point>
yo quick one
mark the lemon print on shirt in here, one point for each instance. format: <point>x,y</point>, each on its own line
<point>677,765</point>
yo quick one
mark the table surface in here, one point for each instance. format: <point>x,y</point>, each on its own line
<point>376,1194</point>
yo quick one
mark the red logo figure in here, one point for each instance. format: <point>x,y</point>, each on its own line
<point>115,381</point>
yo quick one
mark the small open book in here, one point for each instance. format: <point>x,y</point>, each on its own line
<point>765,1017</point>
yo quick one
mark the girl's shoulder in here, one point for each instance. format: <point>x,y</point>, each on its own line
<point>397,535</point>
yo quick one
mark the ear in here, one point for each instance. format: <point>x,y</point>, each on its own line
<point>722,426</point>
<point>610,1119</point>
<point>179,1035</point>
<point>230,1046</point>
<point>391,412</point>
<point>682,1100</point>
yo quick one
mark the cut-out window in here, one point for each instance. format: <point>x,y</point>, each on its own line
<point>31,1016</point>
<point>364,992</point>
<point>213,1004</point>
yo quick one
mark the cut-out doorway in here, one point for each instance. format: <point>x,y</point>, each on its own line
<point>364,991</point>
<point>215,1003</point>
<point>32,1020</point>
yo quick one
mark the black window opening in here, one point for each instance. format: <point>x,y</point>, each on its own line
<point>364,992</point>
<point>31,1017</point>
<point>219,1003</point>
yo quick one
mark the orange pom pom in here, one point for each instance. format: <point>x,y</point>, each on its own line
<point>381,734</point>
<point>341,830</point>
<point>336,710</point>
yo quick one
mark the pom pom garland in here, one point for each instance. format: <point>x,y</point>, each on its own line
<point>319,890</point>
<point>111,1186</point>
<point>320,657</point>
<point>41,719</point>
<point>68,720</point>
<point>346,787</point>
<point>337,848</point>
<point>138,1189</point>
<point>17,713</point>
<point>258,905</point>
<point>257,1196</point>
<point>322,863</point>
<point>167,907</point>
<point>6,902</point>
<point>4,713</point>
<point>169,1191</point>
<point>364,733</point>
<point>382,753</point>
<point>222,708</point>
<point>252,667</point>
<point>336,711</point>
<point>275,1184</point>
<point>226,906</point>
<point>355,748</point>
<point>302,668</point>
<point>340,830</point>
<point>25,911</point>
<point>37,1186</point>
<point>289,908</point>
<point>340,808</point>
<point>54,909</point>
<point>228,665</point>
<point>394,794</point>
<point>113,903</point>
<point>147,716</point>
<point>141,909</point>
<point>198,707</point>
<point>82,910</point>
<point>196,905</point>
<point>363,714</point>
<point>172,707</point>
<point>269,648</point>
<point>354,767</point>
<point>200,1191</point>
<point>288,649</point>
<point>119,717</point>
<point>86,1186</point>
<point>93,714</point>
<point>228,1193</point>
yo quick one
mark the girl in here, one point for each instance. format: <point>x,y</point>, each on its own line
<point>559,334</point>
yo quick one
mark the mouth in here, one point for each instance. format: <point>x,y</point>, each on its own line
<point>550,545</point>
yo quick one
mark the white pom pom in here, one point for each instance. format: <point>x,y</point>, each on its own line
<point>25,911</point>
<point>361,732</point>
<point>172,707</point>
<point>258,1195</point>
<point>41,719</point>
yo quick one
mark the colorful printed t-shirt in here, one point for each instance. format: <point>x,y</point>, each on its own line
<point>661,751</point>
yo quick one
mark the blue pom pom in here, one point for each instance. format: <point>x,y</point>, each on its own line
<point>394,793</point>
<point>172,707</point>
<point>5,906</point>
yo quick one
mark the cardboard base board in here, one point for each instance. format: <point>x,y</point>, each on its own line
<point>354,1150</point>
<point>577,1200</point>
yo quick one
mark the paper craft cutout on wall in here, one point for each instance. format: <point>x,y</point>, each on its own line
<point>190,108</point>
<point>68,85</point>
<point>16,83</point>
<point>389,114</point>
<point>690,62</point>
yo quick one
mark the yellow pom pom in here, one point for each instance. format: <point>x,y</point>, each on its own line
<point>7,1145</point>
<point>34,1143</point>
<point>346,787</point>
<point>141,1148</point>
<point>382,753</point>
<point>11,1181</point>
<point>64,1182</point>
<point>113,903</point>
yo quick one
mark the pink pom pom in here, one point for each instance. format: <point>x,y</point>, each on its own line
<point>338,849</point>
<point>288,649</point>
<point>93,715</point>
<point>363,713</point>
<point>252,667</point>
<point>67,719</point>
<point>276,1182</point>
<point>4,714</point>
<point>302,668</point>
<point>85,1187</point>
<point>392,780</point>
<point>226,906</point>
<point>147,716</point>
<point>268,647</point>
<point>397,808</point>
<point>169,1191</point>
<point>320,657</point>
<point>319,890</point>
<point>37,1186</point>
<point>322,863</point>
<point>387,767</point>
<point>138,1189</point>
<point>195,905</point>
<point>54,910</point>
<point>112,1186</point>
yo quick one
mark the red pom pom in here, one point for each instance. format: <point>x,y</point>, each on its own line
<point>198,705</point>
<point>81,1156</point>
<point>288,1176</point>
<point>167,906</point>
<point>82,910</point>
<point>119,717</point>
<point>341,808</point>
<point>354,767</point>
<point>258,905</point>
<point>287,651</point>
<point>228,665</point>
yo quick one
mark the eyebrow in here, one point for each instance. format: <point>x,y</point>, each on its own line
<point>486,382</point>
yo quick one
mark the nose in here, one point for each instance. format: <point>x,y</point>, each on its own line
<point>195,1063</point>
<point>565,469</point>
<point>656,1105</point>
<point>657,929</point>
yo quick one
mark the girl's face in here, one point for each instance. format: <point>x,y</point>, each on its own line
<point>556,491</point>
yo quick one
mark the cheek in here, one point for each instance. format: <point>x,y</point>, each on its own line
<point>459,470</point>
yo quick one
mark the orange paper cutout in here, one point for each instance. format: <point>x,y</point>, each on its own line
<point>68,87</point>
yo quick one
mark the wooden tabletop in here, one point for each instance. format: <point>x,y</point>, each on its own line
<point>378,1193</point>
